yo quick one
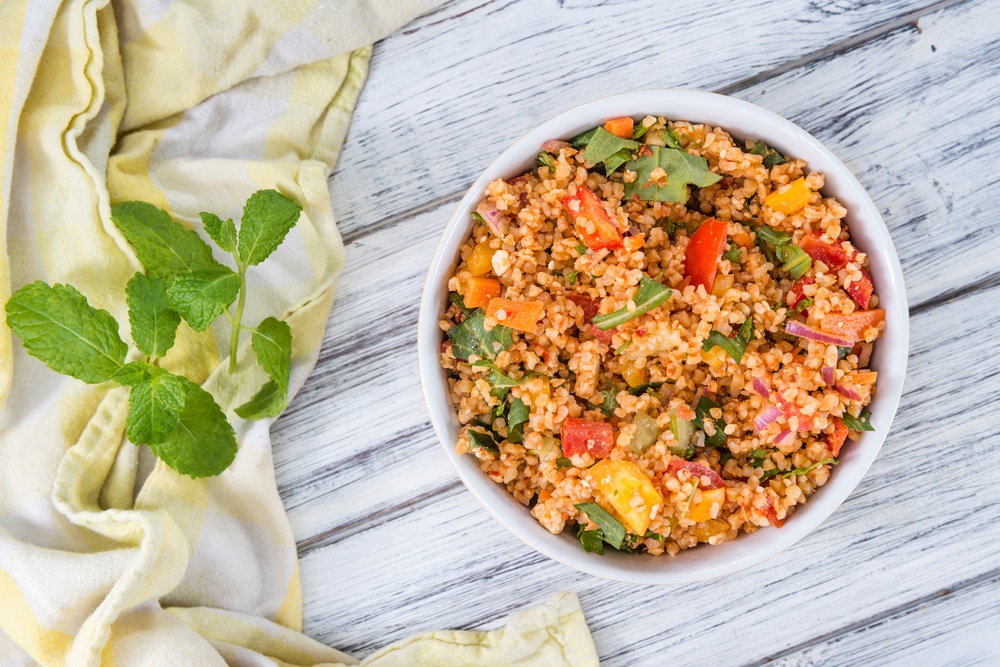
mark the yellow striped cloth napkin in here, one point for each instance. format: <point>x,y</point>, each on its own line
<point>107,556</point>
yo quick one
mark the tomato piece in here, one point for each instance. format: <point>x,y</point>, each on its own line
<point>861,290</point>
<point>703,252</point>
<point>697,470</point>
<point>790,409</point>
<point>590,305</point>
<point>833,255</point>
<point>520,315</point>
<point>591,220</point>
<point>628,493</point>
<point>772,514</point>
<point>851,325</point>
<point>836,439</point>
<point>603,335</point>
<point>479,291</point>
<point>797,293</point>
<point>581,436</point>
<point>620,127</point>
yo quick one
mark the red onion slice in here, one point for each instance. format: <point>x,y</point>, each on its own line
<point>554,145</point>
<point>796,328</point>
<point>847,392</point>
<point>766,418</point>
<point>492,216</point>
<point>784,438</point>
<point>829,375</point>
<point>760,387</point>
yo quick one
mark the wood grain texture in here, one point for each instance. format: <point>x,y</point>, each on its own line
<point>390,541</point>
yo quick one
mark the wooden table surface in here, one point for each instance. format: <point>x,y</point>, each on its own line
<point>907,93</point>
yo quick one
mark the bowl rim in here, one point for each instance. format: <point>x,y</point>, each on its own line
<point>890,356</point>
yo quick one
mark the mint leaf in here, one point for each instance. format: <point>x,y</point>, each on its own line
<point>610,149</point>
<point>267,217</point>
<point>735,346</point>
<point>133,373</point>
<point>153,322</point>
<point>481,440</point>
<point>164,247</point>
<point>272,343</point>
<point>223,233</point>
<point>58,327</point>
<point>154,407</point>
<point>681,169</point>
<point>650,294</point>
<point>471,337</point>
<point>203,442</point>
<point>516,419</point>
<point>613,532</point>
<point>201,296</point>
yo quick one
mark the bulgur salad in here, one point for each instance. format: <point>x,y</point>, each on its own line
<point>660,336</point>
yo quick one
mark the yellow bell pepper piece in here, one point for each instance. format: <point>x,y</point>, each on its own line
<point>626,492</point>
<point>703,532</point>
<point>634,373</point>
<point>480,261</point>
<point>723,282</point>
<point>702,509</point>
<point>790,200</point>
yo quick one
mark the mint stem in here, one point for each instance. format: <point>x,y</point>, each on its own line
<point>234,338</point>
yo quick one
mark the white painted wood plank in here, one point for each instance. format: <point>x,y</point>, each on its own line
<point>919,521</point>
<point>959,629</point>
<point>450,91</point>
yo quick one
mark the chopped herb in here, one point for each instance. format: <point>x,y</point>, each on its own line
<point>734,254</point>
<point>610,149</point>
<point>641,389</point>
<point>772,237</point>
<point>860,423</point>
<point>671,139</point>
<point>562,462</point>
<point>591,540</point>
<point>517,416</point>
<point>581,248</point>
<point>610,403</point>
<point>612,531</point>
<point>478,218</point>
<point>795,259</point>
<point>621,348</point>
<point>671,226</point>
<point>581,140</point>
<point>682,169</point>
<point>499,382</point>
<point>734,346</point>
<point>771,156</point>
<point>572,277</point>
<point>649,295</point>
<point>459,302</point>
<point>805,303</point>
<point>768,474</point>
<point>843,353</point>
<point>724,456</point>
<point>703,412</point>
<point>656,536</point>
<point>758,456</point>
<point>545,160</point>
<point>686,453</point>
<point>558,274</point>
<point>471,337</point>
<point>483,441</point>
<point>806,469</point>
<point>640,130</point>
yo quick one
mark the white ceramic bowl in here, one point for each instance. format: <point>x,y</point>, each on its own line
<point>743,120</point>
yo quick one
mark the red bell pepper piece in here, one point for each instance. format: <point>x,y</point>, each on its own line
<point>836,439</point>
<point>797,293</point>
<point>581,436</point>
<point>590,305</point>
<point>861,290</point>
<point>591,219</point>
<point>833,255</point>
<point>703,252</point>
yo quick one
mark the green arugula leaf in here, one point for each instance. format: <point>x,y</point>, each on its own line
<point>772,237</point>
<point>57,326</point>
<point>582,139</point>
<point>223,233</point>
<point>656,536</point>
<point>771,156</point>
<point>640,130</point>
<point>268,215</point>
<point>154,407</point>
<point>500,383</point>
<point>734,254</point>
<point>806,469</point>
<point>702,412</point>
<point>682,169</point>
<point>610,149</point>
<point>517,417</point>
<point>613,532</point>
<point>562,462</point>
<point>459,302</point>
<point>471,337</point>
<point>482,440</point>
<point>650,294</point>
<point>203,443</point>
<point>734,346</point>
<point>641,389</point>
<point>860,423</point>
<point>592,541</point>
<point>671,139</point>
<point>272,344</point>
<point>153,322</point>
<point>758,456</point>
<point>795,259</point>
<point>201,296</point>
<point>166,248</point>
<point>545,160</point>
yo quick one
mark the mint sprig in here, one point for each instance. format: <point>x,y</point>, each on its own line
<point>180,422</point>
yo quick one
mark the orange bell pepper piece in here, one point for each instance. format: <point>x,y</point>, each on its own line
<point>851,325</point>
<point>620,127</point>
<point>520,315</point>
<point>479,291</point>
<point>592,222</point>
